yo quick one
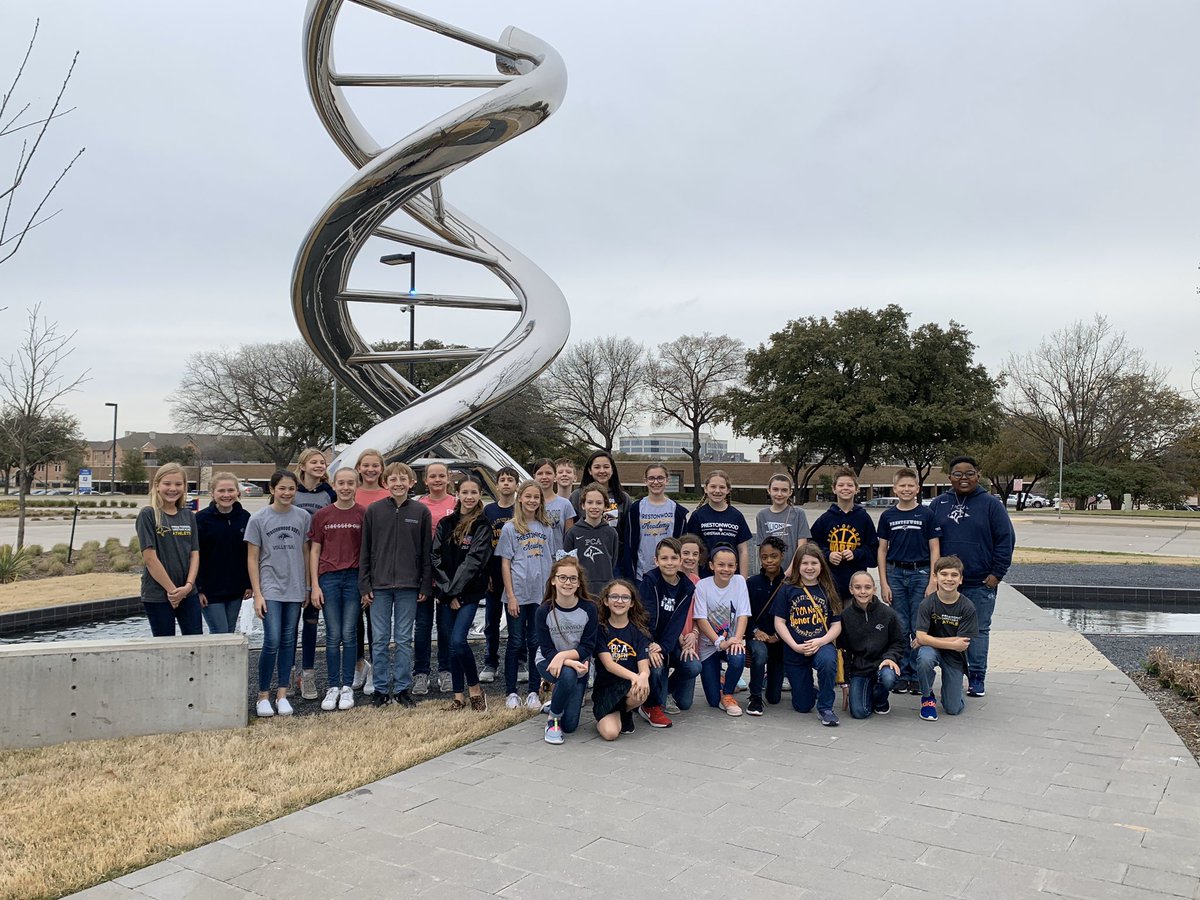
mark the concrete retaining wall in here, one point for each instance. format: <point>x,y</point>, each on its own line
<point>83,690</point>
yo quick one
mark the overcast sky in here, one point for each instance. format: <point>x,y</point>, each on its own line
<point>1012,166</point>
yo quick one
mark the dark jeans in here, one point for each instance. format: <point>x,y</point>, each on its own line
<point>423,640</point>
<point>710,675</point>
<point>952,677</point>
<point>222,615</point>
<point>984,599</point>
<point>279,643</point>
<point>493,608</point>
<point>869,692</point>
<point>163,616</point>
<point>908,590</point>
<point>308,636</point>
<point>766,667</point>
<point>342,605</point>
<point>800,675</point>
<point>457,624</point>
<point>522,635</point>
<point>680,683</point>
<point>567,699</point>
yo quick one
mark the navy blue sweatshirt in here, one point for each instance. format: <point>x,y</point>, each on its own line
<point>223,574</point>
<point>666,619</point>
<point>854,530</point>
<point>762,592</point>
<point>975,528</point>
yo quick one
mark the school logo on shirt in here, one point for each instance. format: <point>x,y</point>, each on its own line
<point>844,537</point>
<point>180,531</point>
<point>620,651</point>
<point>807,618</point>
<point>532,544</point>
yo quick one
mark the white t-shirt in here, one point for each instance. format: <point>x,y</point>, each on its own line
<point>722,607</point>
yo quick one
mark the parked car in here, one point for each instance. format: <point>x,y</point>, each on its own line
<point>1033,501</point>
<point>250,490</point>
<point>882,501</point>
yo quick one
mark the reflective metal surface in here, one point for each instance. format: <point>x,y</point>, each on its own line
<point>406,177</point>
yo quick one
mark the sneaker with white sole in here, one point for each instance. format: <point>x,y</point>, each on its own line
<point>445,682</point>
<point>554,734</point>
<point>513,701</point>
<point>263,709</point>
<point>283,707</point>
<point>671,707</point>
<point>362,669</point>
<point>420,684</point>
<point>329,704</point>
<point>533,701</point>
<point>368,687</point>
<point>488,675</point>
<point>522,674</point>
<point>730,705</point>
<point>308,684</point>
<point>346,698</point>
<point>828,717</point>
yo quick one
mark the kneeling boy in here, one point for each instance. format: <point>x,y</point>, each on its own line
<point>946,623</point>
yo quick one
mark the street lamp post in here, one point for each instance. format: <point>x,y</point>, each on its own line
<point>112,478</point>
<point>410,260</point>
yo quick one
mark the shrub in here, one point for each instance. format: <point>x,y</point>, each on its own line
<point>90,547</point>
<point>134,545</point>
<point>56,567</point>
<point>112,545</point>
<point>1182,675</point>
<point>33,550</point>
<point>85,565</point>
<point>60,548</point>
<point>14,563</point>
<point>121,563</point>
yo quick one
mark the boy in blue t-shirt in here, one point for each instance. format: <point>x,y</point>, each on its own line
<point>845,533</point>
<point>908,548</point>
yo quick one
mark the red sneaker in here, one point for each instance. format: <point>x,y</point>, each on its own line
<point>655,716</point>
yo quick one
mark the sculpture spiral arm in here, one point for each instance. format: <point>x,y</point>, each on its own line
<point>407,176</point>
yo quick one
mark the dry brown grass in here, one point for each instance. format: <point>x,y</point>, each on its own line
<point>1098,557</point>
<point>76,814</point>
<point>30,594</point>
<point>1175,672</point>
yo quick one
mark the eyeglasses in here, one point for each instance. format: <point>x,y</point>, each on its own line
<point>620,598</point>
<point>568,579</point>
<point>970,473</point>
<point>656,477</point>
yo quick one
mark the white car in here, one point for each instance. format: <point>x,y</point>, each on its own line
<point>1033,501</point>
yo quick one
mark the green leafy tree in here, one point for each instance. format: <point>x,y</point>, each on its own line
<point>308,413</point>
<point>1013,454</point>
<point>133,470</point>
<point>185,456</point>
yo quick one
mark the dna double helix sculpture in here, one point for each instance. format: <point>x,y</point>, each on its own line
<point>406,177</point>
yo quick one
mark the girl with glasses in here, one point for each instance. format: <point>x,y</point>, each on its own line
<point>623,660</point>
<point>566,629</point>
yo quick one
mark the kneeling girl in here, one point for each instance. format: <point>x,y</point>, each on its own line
<point>623,660</point>
<point>566,629</point>
<point>808,619</point>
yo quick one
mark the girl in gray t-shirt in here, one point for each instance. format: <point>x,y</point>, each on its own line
<point>276,549</point>
<point>781,519</point>
<point>166,532</point>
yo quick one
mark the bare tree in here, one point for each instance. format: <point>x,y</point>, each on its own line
<point>596,387</point>
<point>687,378</point>
<point>33,384</point>
<point>15,225</point>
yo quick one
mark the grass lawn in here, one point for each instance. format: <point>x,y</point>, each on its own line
<point>1127,513</point>
<point>36,592</point>
<point>80,813</point>
<point>1097,557</point>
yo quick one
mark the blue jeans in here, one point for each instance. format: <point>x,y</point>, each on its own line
<point>279,643</point>
<point>222,615</point>
<point>710,675</point>
<point>567,699</point>
<point>493,608</point>
<point>800,675</point>
<point>457,624</point>
<point>163,616</point>
<point>766,667</point>
<point>423,640</point>
<point>680,683</point>
<point>308,636</point>
<point>984,599</point>
<point>952,677</point>
<point>393,612</point>
<point>908,590</point>
<point>521,635</point>
<point>342,603</point>
<point>867,692</point>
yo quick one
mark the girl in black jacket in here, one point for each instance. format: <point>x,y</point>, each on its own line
<point>462,548</point>
<point>873,643</point>
<point>223,581</point>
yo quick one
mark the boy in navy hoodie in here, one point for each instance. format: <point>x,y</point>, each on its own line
<point>845,533</point>
<point>666,594</point>
<point>764,649</point>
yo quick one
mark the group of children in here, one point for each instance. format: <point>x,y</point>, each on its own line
<point>673,604</point>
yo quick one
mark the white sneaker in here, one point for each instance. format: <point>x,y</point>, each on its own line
<point>308,684</point>
<point>331,699</point>
<point>346,698</point>
<point>488,675</point>
<point>264,709</point>
<point>513,701</point>
<point>368,686</point>
<point>283,707</point>
<point>361,668</point>
<point>533,701</point>
<point>420,684</point>
<point>522,674</point>
<point>445,682</point>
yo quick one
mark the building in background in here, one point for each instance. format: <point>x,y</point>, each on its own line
<point>676,445</point>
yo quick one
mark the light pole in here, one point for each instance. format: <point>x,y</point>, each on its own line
<point>112,478</point>
<point>410,260</point>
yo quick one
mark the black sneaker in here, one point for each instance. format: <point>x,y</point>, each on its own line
<point>405,699</point>
<point>975,686</point>
<point>914,688</point>
<point>754,707</point>
<point>900,687</point>
<point>379,698</point>
<point>883,708</point>
<point>626,722</point>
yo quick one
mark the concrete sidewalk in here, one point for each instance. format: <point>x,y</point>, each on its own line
<point>1063,781</point>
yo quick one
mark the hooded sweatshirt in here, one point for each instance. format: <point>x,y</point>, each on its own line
<point>869,636</point>
<point>667,618</point>
<point>853,530</point>
<point>223,573</point>
<point>396,545</point>
<point>975,528</point>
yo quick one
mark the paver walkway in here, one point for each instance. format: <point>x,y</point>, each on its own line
<point>1063,781</point>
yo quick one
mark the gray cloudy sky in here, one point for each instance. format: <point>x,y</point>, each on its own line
<point>1012,166</point>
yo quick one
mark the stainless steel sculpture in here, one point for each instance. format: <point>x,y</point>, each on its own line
<point>407,176</point>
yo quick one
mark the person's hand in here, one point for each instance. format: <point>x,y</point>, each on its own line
<point>203,601</point>
<point>316,597</point>
<point>247,594</point>
<point>177,594</point>
<point>579,666</point>
<point>367,599</point>
<point>514,608</point>
<point>421,598</point>
<point>736,646</point>
<point>958,643</point>
<point>913,643</point>
<point>760,635</point>
<point>889,664</point>
<point>554,667</point>
<point>809,648</point>
<point>688,642</point>
<point>456,604</point>
<point>260,606</point>
<point>885,592</point>
<point>991,581</point>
